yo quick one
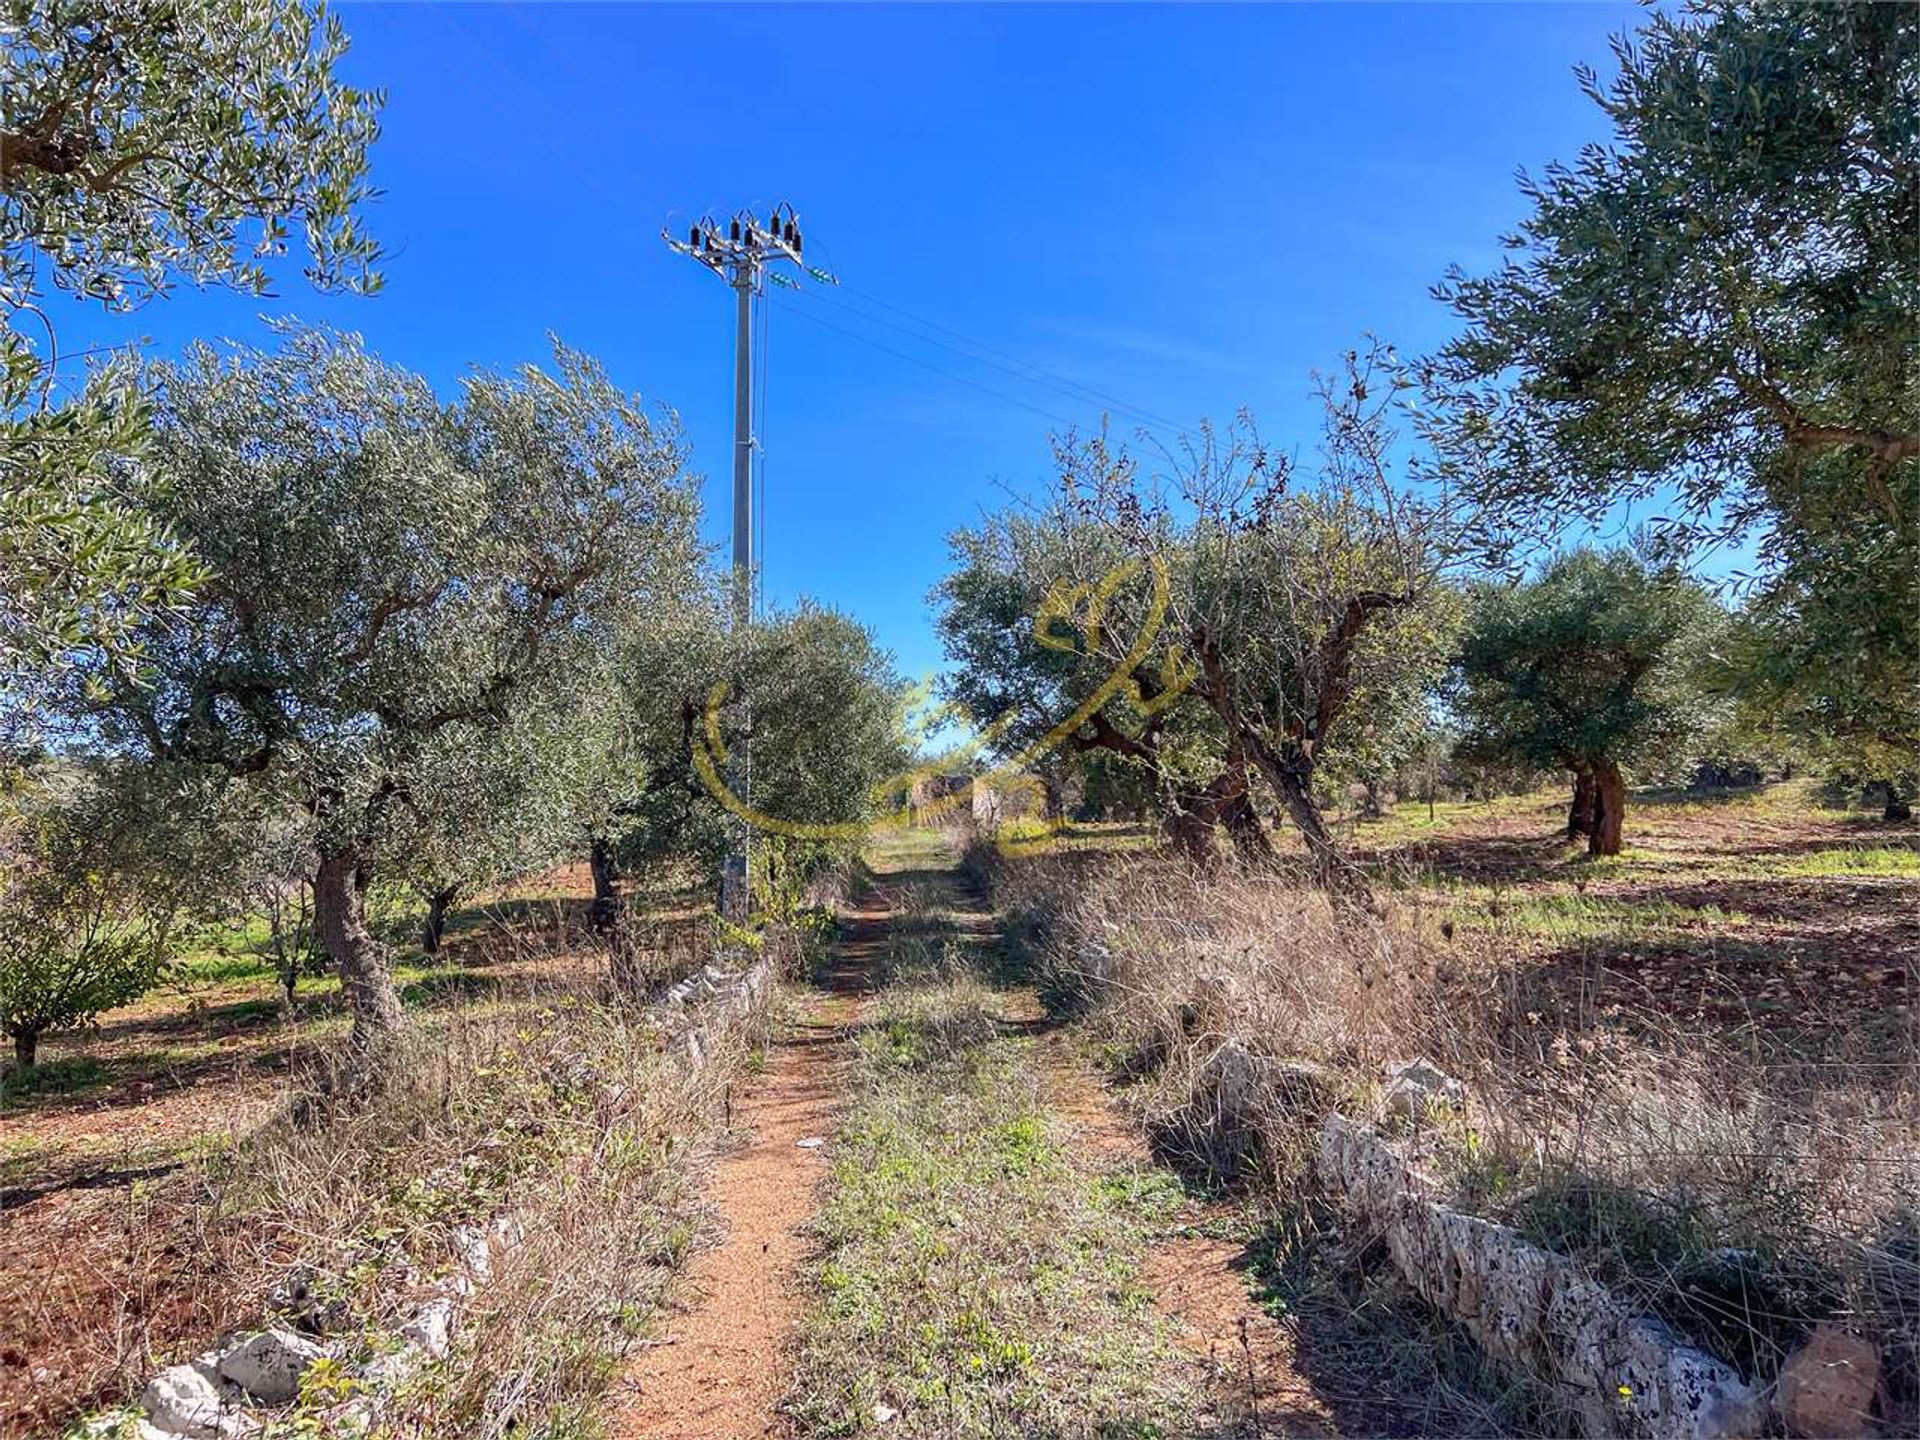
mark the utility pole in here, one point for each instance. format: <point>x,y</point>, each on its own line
<point>740,253</point>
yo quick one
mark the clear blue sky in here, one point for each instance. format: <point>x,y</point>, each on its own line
<point>1186,207</point>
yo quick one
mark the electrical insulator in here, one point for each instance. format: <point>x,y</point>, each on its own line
<point>773,225</point>
<point>796,238</point>
<point>693,237</point>
<point>789,232</point>
<point>734,231</point>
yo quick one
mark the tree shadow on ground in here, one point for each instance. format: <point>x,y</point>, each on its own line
<point>87,1175</point>
<point>1476,859</point>
<point>1787,996</point>
<point>131,1081</point>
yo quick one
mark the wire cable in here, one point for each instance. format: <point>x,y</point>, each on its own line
<point>1039,374</point>
<point>929,365</point>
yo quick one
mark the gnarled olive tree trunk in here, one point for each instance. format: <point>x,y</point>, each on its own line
<point>366,976</point>
<point>439,905</point>
<point>1580,813</point>
<point>1192,814</point>
<point>605,908</point>
<point>1293,783</point>
<point>1609,809</point>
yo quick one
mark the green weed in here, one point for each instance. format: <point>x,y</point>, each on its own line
<point>976,1282</point>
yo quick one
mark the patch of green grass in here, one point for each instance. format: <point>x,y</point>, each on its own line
<point>216,967</point>
<point>1888,860</point>
<point>66,1076</point>
<point>1147,1194</point>
<point>977,1281</point>
<point>1571,916</point>
<point>1582,917</point>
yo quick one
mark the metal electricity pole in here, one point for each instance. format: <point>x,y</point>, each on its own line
<point>739,253</point>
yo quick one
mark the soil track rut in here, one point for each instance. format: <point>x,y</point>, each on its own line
<point>1250,1382</point>
<point>722,1365</point>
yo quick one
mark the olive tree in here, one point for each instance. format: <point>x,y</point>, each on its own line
<point>1592,666</point>
<point>86,912</point>
<point>1701,310</point>
<point>1017,618</point>
<point>490,802</point>
<point>1304,598</point>
<point>1825,656</point>
<point>142,143</point>
<point>1711,317</point>
<point>811,697</point>
<point>384,567</point>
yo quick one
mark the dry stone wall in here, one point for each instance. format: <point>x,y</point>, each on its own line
<point>241,1387</point>
<point>1625,1375</point>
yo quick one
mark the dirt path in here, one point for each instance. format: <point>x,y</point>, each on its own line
<point>723,1362</point>
<point>1251,1384</point>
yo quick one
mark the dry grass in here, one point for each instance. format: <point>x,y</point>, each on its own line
<point>545,1096</point>
<point>1739,1194</point>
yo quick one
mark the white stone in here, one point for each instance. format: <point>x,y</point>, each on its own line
<point>431,1327</point>
<point>115,1424</point>
<point>691,1048</point>
<point>1418,1088</point>
<point>474,1251</point>
<point>395,1368</point>
<point>351,1420</point>
<point>187,1401</point>
<point>268,1365</point>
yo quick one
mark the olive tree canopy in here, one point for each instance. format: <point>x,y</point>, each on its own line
<point>385,566</point>
<point>1591,666</point>
<point>144,142</point>
<point>1706,310</point>
<point>87,902</point>
<point>1301,597</point>
<point>1016,616</point>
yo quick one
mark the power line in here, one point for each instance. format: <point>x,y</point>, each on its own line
<point>929,365</point>
<point>1040,374</point>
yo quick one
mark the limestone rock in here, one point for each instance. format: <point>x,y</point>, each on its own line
<point>300,1298</point>
<point>1418,1088</point>
<point>476,1255</point>
<point>1623,1375</point>
<point>350,1421</point>
<point>393,1369</point>
<point>431,1327</point>
<point>268,1365</point>
<point>1826,1386</point>
<point>188,1400</point>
